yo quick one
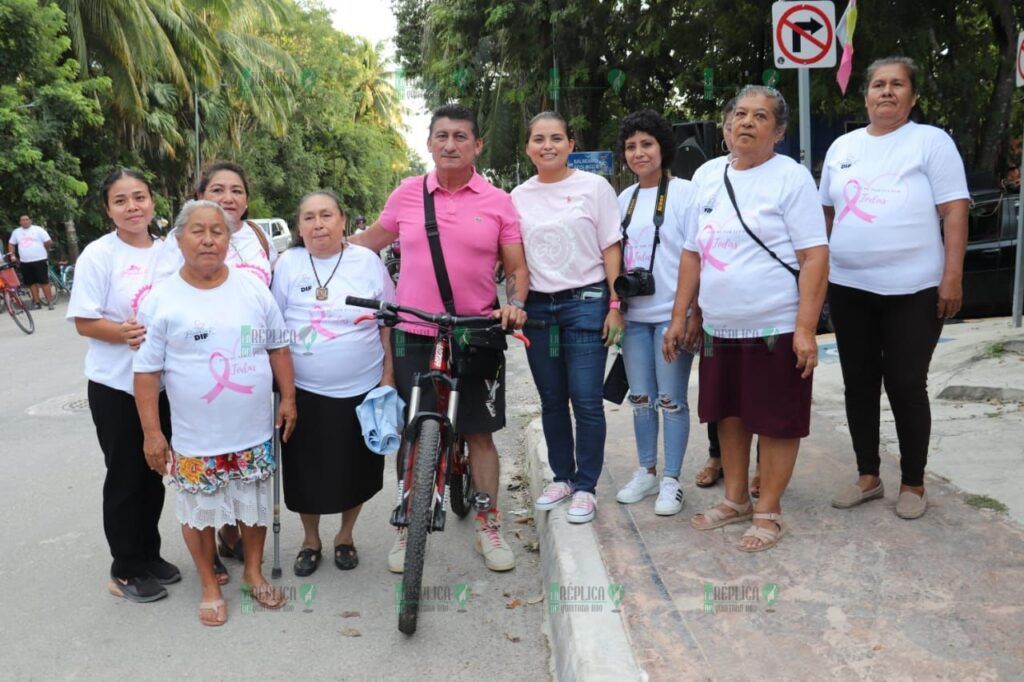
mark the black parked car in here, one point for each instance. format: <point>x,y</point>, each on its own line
<point>991,250</point>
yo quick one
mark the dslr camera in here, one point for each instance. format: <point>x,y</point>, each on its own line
<point>635,282</point>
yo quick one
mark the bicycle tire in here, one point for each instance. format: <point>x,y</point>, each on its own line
<point>428,449</point>
<point>394,267</point>
<point>69,278</point>
<point>19,313</point>
<point>461,486</point>
<point>58,288</point>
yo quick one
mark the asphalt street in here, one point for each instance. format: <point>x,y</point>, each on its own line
<point>60,622</point>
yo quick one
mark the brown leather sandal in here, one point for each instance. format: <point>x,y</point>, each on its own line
<point>708,476</point>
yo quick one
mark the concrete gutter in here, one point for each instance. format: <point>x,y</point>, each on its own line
<point>588,645</point>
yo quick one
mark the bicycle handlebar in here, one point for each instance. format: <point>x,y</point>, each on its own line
<point>442,320</point>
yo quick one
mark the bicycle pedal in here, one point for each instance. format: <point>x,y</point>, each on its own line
<point>398,519</point>
<point>437,523</point>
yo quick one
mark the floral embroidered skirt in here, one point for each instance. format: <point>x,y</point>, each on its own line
<point>221,490</point>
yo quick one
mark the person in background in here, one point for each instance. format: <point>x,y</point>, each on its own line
<point>113,275</point>
<point>477,225</point>
<point>33,243</point>
<point>760,321</point>
<point>896,205</point>
<point>216,337</point>
<point>570,225</point>
<point>655,213</point>
<point>328,468</point>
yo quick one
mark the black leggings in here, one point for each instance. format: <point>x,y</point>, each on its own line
<point>890,340</point>
<point>133,494</point>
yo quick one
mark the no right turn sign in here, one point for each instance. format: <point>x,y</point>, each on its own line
<point>804,34</point>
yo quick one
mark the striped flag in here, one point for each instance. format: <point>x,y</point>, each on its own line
<point>844,32</point>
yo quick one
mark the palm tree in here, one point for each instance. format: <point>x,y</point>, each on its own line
<point>375,95</point>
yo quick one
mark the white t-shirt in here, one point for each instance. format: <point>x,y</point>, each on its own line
<point>111,281</point>
<point>680,209</point>
<point>333,356</point>
<point>211,345</point>
<point>710,168</point>
<point>566,226</point>
<point>885,235</point>
<point>744,292</point>
<point>245,253</point>
<point>30,241</point>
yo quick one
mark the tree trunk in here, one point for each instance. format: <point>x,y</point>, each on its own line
<point>998,111</point>
<point>72,235</point>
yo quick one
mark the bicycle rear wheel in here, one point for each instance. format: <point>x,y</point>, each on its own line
<point>461,485</point>
<point>18,312</point>
<point>428,449</point>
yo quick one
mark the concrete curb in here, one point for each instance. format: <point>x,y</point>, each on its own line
<point>584,646</point>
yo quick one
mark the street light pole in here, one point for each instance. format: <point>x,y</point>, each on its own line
<point>195,96</point>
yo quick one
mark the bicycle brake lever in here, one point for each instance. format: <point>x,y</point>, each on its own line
<point>364,318</point>
<point>521,337</point>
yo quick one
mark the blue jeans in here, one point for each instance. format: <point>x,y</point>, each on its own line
<point>567,360</point>
<point>649,375</point>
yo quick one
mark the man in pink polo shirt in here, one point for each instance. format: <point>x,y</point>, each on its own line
<point>478,227</point>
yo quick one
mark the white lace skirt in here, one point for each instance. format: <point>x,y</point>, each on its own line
<point>248,502</point>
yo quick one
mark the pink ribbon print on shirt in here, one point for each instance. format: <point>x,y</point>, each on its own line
<point>256,270</point>
<point>852,201</point>
<point>316,319</point>
<point>223,379</point>
<point>705,250</point>
<point>138,297</point>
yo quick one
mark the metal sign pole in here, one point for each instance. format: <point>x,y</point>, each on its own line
<point>804,86</point>
<point>1018,269</point>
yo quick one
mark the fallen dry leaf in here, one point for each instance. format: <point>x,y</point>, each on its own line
<point>511,638</point>
<point>877,647</point>
<point>514,604</point>
<point>535,600</point>
<point>349,614</point>
<point>351,632</point>
<point>524,519</point>
<point>532,546</point>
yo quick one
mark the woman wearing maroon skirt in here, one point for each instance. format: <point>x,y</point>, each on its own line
<point>760,254</point>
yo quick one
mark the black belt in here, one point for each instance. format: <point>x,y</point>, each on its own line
<point>567,294</point>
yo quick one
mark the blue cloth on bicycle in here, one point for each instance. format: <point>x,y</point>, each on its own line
<point>381,415</point>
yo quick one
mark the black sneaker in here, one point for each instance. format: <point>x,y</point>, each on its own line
<point>164,572</point>
<point>37,306</point>
<point>140,590</point>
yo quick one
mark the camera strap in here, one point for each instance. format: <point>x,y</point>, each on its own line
<point>732,197</point>
<point>659,216</point>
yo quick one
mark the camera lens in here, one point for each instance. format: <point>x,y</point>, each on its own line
<point>626,285</point>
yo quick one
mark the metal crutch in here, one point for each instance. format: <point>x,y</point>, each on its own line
<point>275,572</point>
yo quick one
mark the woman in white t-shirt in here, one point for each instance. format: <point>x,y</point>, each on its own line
<point>216,337</point>
<point>570,226</point>
<point>656,211</point>
<point>759,319</point>
<point>895,272</point>
<point>225,183</point>
<point>113,276</point>
<point>328,468</point>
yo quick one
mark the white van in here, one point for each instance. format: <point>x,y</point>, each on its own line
<point>277,231</point>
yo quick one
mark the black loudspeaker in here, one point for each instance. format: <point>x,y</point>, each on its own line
<point>695,144</point>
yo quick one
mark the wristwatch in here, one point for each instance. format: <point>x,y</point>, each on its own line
<point>517,303</point>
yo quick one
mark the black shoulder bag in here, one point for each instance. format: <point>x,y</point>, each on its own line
<point>476,353</point>
<point>732,197</point>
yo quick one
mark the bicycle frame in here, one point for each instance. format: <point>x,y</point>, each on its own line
<point>446,388</point>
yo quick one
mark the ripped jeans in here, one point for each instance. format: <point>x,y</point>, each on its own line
<point>655,385</point>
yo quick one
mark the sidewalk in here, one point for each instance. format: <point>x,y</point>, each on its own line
<point>849,594</point>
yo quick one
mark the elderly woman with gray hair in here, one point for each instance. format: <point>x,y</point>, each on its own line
<point>759,252</point>
<point>218,340</point>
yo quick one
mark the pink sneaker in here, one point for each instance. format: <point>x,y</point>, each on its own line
<point>554,494</point>
<point>582,509</point>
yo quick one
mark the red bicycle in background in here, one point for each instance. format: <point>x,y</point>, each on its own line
<point>433,466</point>
<point>10,290</point>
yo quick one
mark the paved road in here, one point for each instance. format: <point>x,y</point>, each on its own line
<point>60,622</point>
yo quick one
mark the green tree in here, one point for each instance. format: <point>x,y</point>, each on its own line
<point>43,109</point>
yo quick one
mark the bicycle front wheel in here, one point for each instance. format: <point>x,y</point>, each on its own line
<point>427,447</point>
<point>19,312</point>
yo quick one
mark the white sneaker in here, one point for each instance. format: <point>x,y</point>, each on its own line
<point>554,494</point>
<point>582,509</point>
<point>640,486</point>
<point>396,557</point>
<point>497,554</point>
<point>670,498</point>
